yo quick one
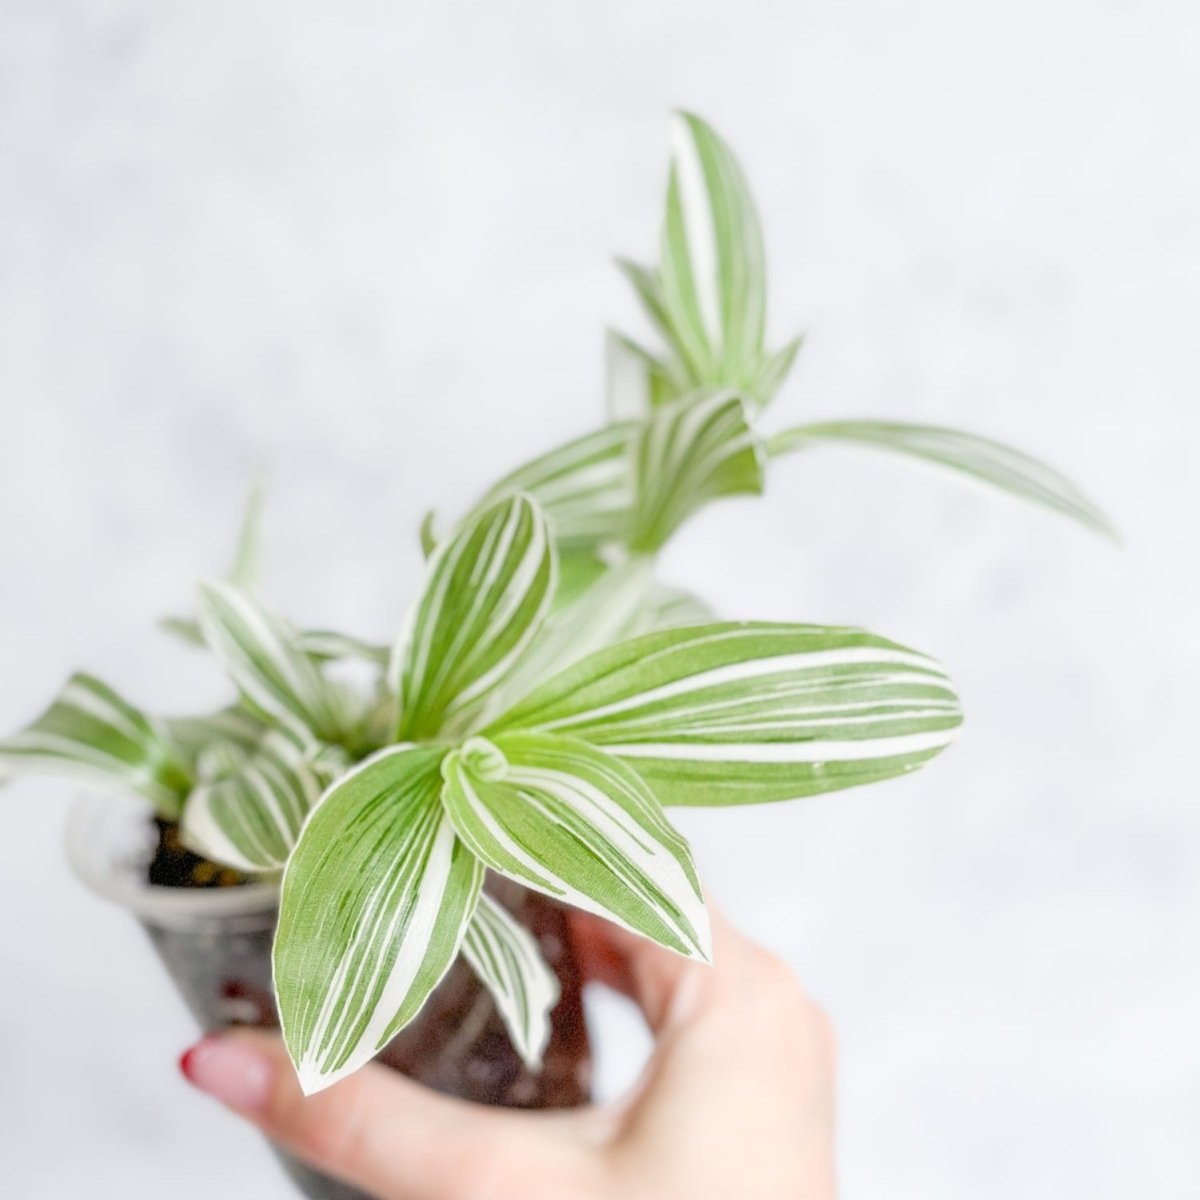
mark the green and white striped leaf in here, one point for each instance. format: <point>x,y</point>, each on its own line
<point>668,607</point>
<point>647,285</point>
<point>584,487</point>
<point>566,819</point>
<point>505,956</point>
<point>712,270</point>
<point>377,896</point>
<point>991,462</point>
<point>486,593</point>
<point>264,656</point>
<point>747,713</point>
<point>91,734</point>
<point>247,812</point>
<point>772,371</point>
<point>635,380</point>
<point>577,571</point>
<point>611,609</point>
<point>692,450</point>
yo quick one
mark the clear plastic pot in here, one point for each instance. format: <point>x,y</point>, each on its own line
<point>216,945</point>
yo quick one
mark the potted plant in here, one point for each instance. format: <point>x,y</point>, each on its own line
<point>380,862</point>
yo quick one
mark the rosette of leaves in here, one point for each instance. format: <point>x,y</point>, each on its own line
<point>686,414</point>
<point>562,782</point>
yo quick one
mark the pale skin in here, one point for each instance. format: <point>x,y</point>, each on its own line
<point>736,1100</point>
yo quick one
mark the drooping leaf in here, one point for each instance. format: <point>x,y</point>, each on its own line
<point>91,734</point>
<point>692,450</point>
<point>264,656</point>
<point>486,592</point>
<point>505,956</point>
<point>712,270</point>
<point>247,810</point>
<point>376,898</point>
<point>584,487</point>
<point>992,462</point>
<point>566,819</point>
<point>747,713</point>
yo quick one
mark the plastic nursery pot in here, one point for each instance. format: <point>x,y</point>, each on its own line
<point>216,945</point>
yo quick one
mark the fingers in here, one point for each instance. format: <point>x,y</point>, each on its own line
<point>376,1129</point>
<point>662,983</point>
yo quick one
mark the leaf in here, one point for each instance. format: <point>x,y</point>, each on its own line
<point>247,567</point>
<point>667,607</point>
<point>428,533</point>
<point>1002,466</point>
<point>264,656</point>
<point>486,592</point>
<point>635,380</point>
<point>584,487</point>
<point>577,571</point>
<point>712,270</point>
<point>376,898</point>
<point>249,813</point>
<point>692,450</point>
<point>230,725</point>
<point>772,371</point>
<point>648,286</point>
<point>327,645</point>
<point>91,734</point>
<point>505,956</point>
<point>746,713</point>
<point>566,819</point>
<point>607,611</point>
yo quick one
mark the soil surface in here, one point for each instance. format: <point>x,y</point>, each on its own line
<point>174,865</point>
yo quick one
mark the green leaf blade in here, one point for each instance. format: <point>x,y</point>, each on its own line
<point>487,591</point>
<point>983,459</point>
<point>92,734</point>
<point>263,655</point>
<point>749,713</point>
<point>505,957</point>
<point>575,823</point>
<point>377,897</point>
<point>691,451</point>
<point>584,487</point>
<point>250,815</point>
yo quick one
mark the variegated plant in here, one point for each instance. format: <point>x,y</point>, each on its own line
<point>548,699</point>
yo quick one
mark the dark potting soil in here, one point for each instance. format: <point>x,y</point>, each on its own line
<point>174,865</point>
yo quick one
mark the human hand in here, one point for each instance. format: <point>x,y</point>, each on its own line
<point>736,1102</point>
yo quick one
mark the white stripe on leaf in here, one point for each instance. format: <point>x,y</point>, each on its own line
<point>377,896</point>
<point>486,593</point>
<point>248,813</point>
<point>505,956</point>
<point>713,272</point>
<point>745,713</point>
<point>264,656</point>
<point>576,823</point>
<point>690,451</point>
<point>584,487</point>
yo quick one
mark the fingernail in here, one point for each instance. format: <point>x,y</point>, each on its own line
<point>231,1071</point>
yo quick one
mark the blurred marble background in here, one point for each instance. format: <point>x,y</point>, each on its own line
<point>365,247</point>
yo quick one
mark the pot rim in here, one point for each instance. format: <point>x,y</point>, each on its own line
<point>108,844</point>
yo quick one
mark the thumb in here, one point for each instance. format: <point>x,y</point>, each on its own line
<point>375,1129</point>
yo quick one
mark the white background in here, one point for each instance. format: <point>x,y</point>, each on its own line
<point>365,247</point>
